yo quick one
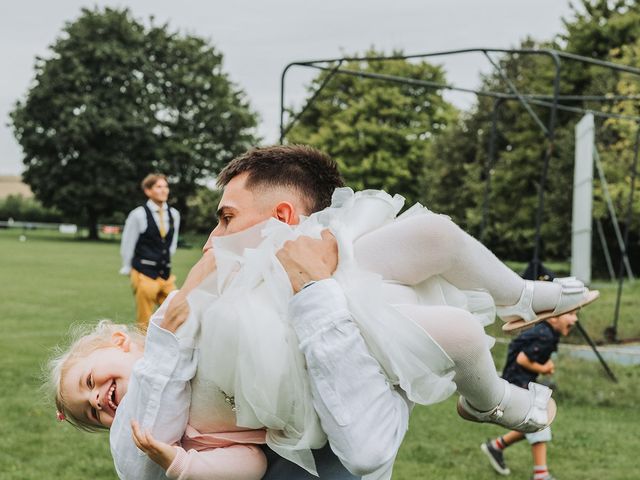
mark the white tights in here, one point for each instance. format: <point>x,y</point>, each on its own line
<point>410,250</point>
<point>464,340</point>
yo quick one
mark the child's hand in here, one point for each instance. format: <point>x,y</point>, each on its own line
<point>177,313</point>
<point>160,452</point>
<point>548,368</point>
<point>178,310</point>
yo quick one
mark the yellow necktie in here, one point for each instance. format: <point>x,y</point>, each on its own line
<point>163,232</point>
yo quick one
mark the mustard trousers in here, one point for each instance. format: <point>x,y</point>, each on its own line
<point>149,293</point>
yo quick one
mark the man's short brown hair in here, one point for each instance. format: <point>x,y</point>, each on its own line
<point>311,173</point>
<point>150,180</point>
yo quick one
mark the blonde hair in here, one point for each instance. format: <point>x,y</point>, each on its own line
<point>83,340</point>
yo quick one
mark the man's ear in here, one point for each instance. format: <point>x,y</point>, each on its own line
<point>121,340</point>
<point>286,213</point>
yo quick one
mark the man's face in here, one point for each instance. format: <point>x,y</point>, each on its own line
<point>94,386</point>
<point>159,192</point>
<point>564,323</point>
<point>239,209</point>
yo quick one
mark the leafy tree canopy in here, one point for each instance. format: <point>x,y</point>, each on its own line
<point>380,133</point>
<point>602,29</point>
<point>116,100</point>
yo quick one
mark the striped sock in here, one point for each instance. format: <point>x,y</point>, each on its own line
<point>540,472</point>
<point>499,443</point>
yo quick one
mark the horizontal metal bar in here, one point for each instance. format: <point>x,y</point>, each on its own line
<point>482,93</point>
<point>566,55</point>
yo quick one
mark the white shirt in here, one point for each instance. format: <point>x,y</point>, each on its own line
<point>158,396</point>
<point>363,415</point>
<point>136,225</point>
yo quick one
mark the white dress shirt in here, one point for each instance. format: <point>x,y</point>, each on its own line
<point>136,225</point>
<point>158,396</point>
<point>365,417</point>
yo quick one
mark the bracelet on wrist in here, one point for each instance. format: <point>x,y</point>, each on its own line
<point>308,284</point>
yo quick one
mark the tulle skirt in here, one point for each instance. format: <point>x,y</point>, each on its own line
<point>249,349</point>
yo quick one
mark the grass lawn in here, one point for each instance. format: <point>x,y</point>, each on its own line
<point>49,282</point>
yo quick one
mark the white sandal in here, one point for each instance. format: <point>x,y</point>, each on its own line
<point>521,316</point>
<point>542,410</point>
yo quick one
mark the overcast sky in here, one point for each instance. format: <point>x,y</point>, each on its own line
<point>260,37</point>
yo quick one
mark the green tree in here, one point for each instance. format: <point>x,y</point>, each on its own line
<point>116,100</point>
<point>380,133</point>
<point>616,146</point>
<point>597,28</point>
<point>202,206</point>
<point>610,30</point>
<point>23,209</point>
<point>505,213</point>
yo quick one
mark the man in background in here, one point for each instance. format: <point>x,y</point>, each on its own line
<point>149,240</point>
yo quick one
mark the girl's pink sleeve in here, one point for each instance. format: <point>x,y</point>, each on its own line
<point>236,462</point>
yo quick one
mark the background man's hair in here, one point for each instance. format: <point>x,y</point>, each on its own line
<point>313,174</point>
<point>151,179</point>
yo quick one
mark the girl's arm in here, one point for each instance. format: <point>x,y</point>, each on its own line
<point>236,462</point>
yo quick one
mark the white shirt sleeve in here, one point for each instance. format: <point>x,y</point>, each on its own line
<point>364,416</point>
<point>158,397</point>
<point>176,229</point>
<point>134,226</point>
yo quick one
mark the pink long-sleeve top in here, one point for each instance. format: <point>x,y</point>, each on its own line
<point>215,456</point>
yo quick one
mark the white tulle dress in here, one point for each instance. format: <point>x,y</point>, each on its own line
<point>248,347</point>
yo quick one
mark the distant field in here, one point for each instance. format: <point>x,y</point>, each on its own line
<point>49,282</point>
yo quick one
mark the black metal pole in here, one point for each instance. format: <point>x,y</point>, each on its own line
<point>282,80</point>
<point>545,168</point>
<point>529,98</point>
<point>488,167</point>
<point>284,130</point>
<point>595,350</point>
